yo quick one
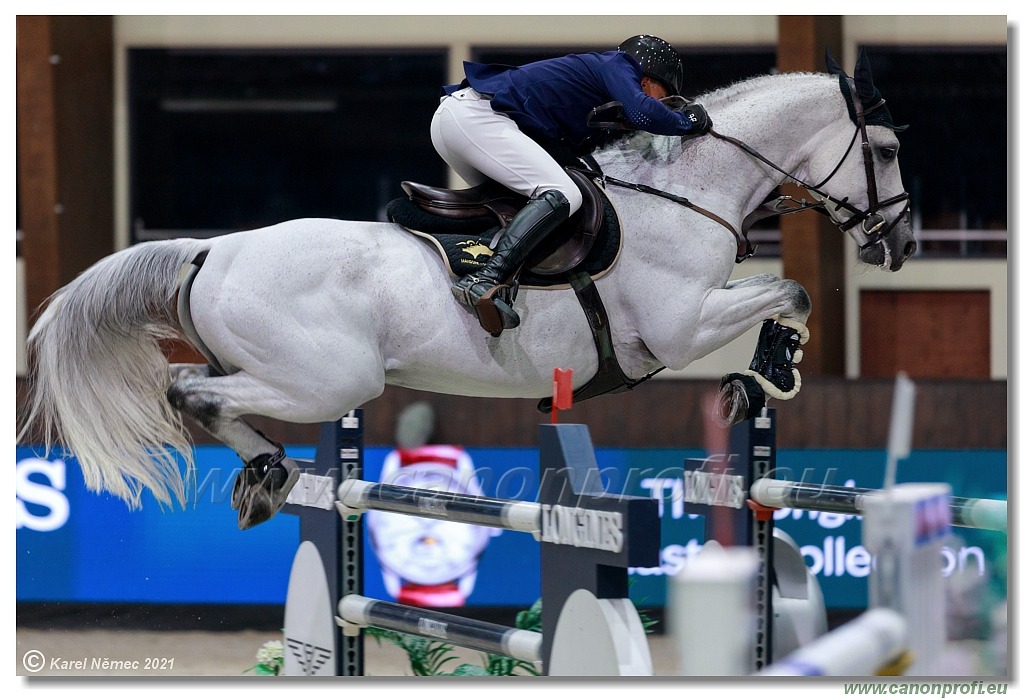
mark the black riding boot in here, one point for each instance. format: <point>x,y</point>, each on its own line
<point>479,291</point>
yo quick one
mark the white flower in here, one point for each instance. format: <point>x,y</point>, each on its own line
<point>270,653</point>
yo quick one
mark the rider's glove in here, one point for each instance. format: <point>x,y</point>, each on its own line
<point>697,117</point>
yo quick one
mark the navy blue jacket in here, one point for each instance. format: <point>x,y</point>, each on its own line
<point>552,99</point>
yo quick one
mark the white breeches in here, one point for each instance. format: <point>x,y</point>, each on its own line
<point>479,143</point>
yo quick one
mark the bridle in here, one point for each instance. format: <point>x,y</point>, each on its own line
<point>873,224</point>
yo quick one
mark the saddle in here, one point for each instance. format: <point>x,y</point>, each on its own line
<point>463,226</point>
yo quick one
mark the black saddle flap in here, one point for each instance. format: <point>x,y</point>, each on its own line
<point>465,243</point>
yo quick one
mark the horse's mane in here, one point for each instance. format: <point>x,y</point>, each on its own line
<point>714,101</point>
<point>747,85</point>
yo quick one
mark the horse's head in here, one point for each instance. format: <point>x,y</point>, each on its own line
<point>864,194</point>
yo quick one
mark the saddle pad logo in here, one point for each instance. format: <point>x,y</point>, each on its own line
<point>473,251</point>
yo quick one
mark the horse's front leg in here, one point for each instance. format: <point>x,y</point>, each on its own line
<point>782,306</point>
<point>788,296</point>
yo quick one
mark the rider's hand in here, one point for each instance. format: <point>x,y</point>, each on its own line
<point>697,116</point>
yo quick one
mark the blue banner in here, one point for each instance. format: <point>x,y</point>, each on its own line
<point>78,546</point>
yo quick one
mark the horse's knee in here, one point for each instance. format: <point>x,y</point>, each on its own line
<point>797,297</point>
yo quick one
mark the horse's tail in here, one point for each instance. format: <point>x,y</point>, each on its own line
<point>99,376</point>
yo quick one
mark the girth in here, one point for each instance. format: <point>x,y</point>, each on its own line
<point>609,378</point>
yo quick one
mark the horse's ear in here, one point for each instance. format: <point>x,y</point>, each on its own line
<point>863,79</point>
<point>833,67</point>
<point>870,97</point>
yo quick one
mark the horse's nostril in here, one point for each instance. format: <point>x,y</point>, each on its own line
<point>910,249</point>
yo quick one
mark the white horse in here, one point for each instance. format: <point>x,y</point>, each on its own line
<point>308,319</point>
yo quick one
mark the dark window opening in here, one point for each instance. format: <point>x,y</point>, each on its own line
<point>953,157</point>
<point>225,140</point>
<point>704,70</point>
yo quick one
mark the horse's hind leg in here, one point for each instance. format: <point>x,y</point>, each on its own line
<point>204,408</point>
<point>181,370</point>
<point>217,404</point>
<point>263,484</point>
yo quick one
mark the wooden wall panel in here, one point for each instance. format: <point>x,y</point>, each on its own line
<point>812,248</point>
<point>65,134</point>
<point>37,159</point>
<point>827,413</point>
<point>958,414</point>
<point>927,334</point>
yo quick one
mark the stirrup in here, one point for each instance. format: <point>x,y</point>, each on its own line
<point>462,290</point>
<point>494,313</point>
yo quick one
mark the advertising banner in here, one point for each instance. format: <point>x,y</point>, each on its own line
<point>74,545</point>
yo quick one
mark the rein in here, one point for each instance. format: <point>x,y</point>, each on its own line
<point>743,245</point>
<point>874,226</point>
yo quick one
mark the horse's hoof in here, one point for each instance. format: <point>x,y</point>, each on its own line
<point>740,397</point>
<point>246,479</point>
<point>256,508</point>
<point>251,476</point>
<point>258,494</point>
<point>732,405</point>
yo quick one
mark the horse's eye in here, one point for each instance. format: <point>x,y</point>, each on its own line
<point>887,153</point>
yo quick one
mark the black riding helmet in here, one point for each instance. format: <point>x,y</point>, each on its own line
<point>658,60</point>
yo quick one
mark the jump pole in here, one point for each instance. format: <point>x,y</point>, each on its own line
<point>588,540</point>
<point>515,643</point>
<point>978,513</point>
<point>356,496</point>
<point>904,527</point>
<point>859,648</point>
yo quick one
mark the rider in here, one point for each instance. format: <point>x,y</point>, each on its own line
<point>492,125</point>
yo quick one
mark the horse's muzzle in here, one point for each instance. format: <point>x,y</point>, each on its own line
<point>909,248</point>
<point>892,250</point>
